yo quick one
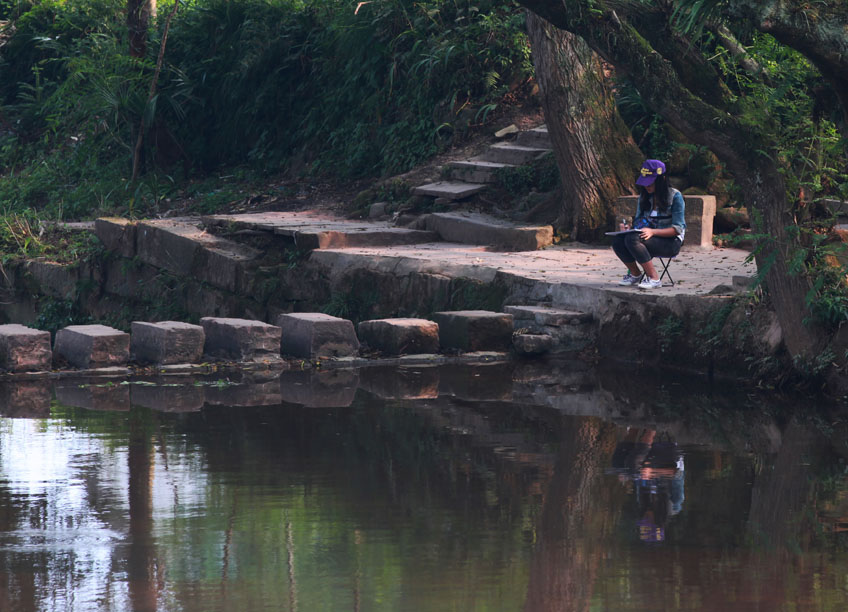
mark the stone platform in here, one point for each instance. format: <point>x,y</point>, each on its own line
<point>574,267</point>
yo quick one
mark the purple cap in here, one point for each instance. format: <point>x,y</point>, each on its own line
<point>651,169</point>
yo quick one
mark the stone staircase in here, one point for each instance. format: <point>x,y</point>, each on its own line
<point>470,176</point>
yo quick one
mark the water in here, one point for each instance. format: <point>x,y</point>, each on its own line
<point>496,487</point>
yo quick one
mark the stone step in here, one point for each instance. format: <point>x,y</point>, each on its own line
<point>472,171</point>
<point>474,330</point>
<point>568,330</point>
<point>536,137</point>
<point>314,231</point>
<point>508,153</point>
<point>542,315</point>
<point>241,339</point>
<point>449,190</point>
<point>476,228</point>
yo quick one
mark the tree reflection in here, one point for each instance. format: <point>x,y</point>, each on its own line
<point>578,514</point>
<point>141,555</point>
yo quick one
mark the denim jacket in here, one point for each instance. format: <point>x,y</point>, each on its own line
<point>662,221</point>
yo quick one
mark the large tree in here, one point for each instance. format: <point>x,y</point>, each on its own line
<point>678,82</point>
<point>595,153</point>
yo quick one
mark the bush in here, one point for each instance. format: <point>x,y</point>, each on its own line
<point>245,82</point>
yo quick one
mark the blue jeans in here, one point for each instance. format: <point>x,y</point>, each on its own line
<point>630,247</point>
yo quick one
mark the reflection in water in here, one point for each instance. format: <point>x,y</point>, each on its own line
<point>652,466</point>
<point>467,488</point>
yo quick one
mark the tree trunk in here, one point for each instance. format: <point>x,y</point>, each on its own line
<point>139,14</point>
<point>771,215</point>
<point>595,153</point>
<point>744,143</point>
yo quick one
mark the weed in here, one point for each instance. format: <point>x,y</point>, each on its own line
<point>668,330</point>
<point>54,314</point>
<point>539,175</point>
<point>355,305</point>
<point>473,295</point>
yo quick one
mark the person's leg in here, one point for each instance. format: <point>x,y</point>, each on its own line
<point>624,254</point>
<point>635,247</point>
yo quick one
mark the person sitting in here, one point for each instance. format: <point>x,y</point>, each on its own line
<point>660,226</point>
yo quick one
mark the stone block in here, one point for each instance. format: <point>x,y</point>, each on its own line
<point>92,346</point>
<point>474,330</point>
<point>309,335</point>
<point>699,215</point>
<point>400,336</point>
<point>117,234</point>
<point>241,339</point>
<point>24,349</point>
<point>166,342</point>
<point>319,388</point>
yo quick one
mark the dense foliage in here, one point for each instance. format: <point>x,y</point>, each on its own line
<point>252,84</point>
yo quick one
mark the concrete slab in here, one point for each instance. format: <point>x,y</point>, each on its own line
<point>92,346</point>
<point>449,190</point>
<point>23,349</point>
<point>509,153</point>
<point>310,230</point>
<point>166,342</point>
<point>309,335</point>
<point>477,228</point>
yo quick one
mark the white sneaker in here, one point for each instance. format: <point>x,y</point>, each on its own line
<point>650,283</point>
<point>629,280</point>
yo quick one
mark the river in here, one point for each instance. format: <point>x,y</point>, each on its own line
<point>515,487</point>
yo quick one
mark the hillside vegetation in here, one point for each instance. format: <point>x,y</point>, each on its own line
<point>249,89</point>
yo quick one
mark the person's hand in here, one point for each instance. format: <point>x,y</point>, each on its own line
<point>646,233</point>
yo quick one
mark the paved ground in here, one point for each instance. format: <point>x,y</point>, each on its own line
<point>696,271</point>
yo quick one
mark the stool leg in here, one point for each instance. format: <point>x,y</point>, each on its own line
<point>665,272</point>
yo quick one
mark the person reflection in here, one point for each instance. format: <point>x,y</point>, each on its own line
<point>652,466</point>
